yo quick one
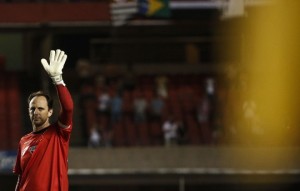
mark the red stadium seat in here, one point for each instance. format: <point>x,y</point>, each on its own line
<point>143,134</point>
<point>119,135</point>
<point>193,131</point>
<point>156,133</point>
<point>130,131</point>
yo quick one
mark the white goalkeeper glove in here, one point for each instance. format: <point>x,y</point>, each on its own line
<point>56,63</point>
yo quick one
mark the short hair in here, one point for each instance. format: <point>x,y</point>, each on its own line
<point>41,93</point>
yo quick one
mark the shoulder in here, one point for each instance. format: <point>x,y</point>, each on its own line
<point>57,126</point>
<point>26,137</point>
<point>60,128</point>
<point>55,130</point>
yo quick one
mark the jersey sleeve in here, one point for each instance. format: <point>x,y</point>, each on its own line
<point>17,167</point>
<point>66,112</point>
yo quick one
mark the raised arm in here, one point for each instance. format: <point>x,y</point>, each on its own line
<point>66,103</point>
<point>54,68</point>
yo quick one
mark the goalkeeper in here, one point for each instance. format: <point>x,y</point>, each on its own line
<point>42,159</point>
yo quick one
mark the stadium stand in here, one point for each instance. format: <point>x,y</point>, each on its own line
<point>210,156</point>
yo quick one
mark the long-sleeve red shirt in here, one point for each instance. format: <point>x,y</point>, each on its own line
<point>42,160</point>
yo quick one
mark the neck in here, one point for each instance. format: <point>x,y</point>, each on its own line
<point>38,128</point>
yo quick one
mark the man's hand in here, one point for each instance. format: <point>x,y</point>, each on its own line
<point>56,63</point>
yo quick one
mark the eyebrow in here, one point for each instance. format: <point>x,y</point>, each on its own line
<point>36,107</point>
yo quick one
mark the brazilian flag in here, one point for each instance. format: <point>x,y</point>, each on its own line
<point>154,8</point>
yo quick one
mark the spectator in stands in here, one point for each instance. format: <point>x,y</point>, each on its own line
<point>104,101</point>
<point>162,85</point>
<point>156,108</point>
<point>181,133</point>
<point>94,138</point>
<point>116,108</point>
<point>170,128</point>
<point>140,106</point>
<point>206,110</point>
<point>203,110</point>
<point>211,96</point>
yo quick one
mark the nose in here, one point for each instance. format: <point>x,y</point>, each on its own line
<point>36,111</point>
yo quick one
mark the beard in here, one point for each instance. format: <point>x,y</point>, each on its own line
<point>38,121</point>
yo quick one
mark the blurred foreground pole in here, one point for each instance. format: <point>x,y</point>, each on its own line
<point>271,70</point>
<point>274,68</point>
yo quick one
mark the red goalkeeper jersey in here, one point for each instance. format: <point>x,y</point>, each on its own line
<point>42,160</point>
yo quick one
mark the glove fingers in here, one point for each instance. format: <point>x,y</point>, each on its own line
<point>62,53</point>
<point>56,62</point>
<point>57,55</point>
<point>52,56</point>
<point>63,61</point>
<point>45,64</point>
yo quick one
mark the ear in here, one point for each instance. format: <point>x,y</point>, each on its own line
<point>50,112</point>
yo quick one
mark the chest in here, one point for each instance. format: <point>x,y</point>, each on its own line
<point>29,146</point>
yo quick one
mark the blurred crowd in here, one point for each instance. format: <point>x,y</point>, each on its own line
<point>142,109</point>
<point>117,107</point>
<point>127,109</point>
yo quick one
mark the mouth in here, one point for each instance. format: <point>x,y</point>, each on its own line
<point>36,119</point>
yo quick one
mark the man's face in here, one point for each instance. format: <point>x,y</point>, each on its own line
<point>39,112</point>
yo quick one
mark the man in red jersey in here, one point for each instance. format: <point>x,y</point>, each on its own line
<point>42,160</point>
